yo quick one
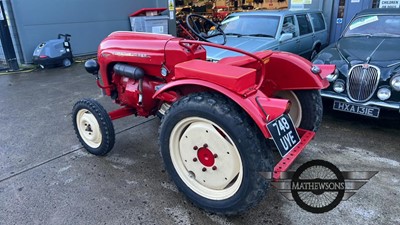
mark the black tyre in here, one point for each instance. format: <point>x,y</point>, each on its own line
<point>306,110</point>
<point>314,53</point>
<point>66,62</point>
<point>214,153</point>
<point>93,126</point>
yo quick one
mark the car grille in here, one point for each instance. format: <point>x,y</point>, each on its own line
<point>362,82</point>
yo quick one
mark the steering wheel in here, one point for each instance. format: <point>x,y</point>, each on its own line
<point>200,26</point>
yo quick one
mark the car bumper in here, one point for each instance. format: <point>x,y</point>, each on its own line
<point>391,105</point>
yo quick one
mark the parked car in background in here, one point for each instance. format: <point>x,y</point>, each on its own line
<point>367,58</point>
<point>303,32</point>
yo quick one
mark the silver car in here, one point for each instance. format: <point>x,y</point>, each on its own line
<point>303,32</point>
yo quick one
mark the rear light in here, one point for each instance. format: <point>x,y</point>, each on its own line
<point>43,56</point>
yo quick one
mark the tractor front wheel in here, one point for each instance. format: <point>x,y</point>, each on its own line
<point>214,152</point>
<point>93,127</point>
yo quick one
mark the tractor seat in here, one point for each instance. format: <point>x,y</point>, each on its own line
<point>235,78</point>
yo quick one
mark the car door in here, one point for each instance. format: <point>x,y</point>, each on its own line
<point>289,25</point>
<point>306,38</point>
<point>320,30</point>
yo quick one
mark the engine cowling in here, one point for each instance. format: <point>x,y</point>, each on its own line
<point>134,89</point>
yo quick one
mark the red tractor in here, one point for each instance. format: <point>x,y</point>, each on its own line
<point>217,119</point>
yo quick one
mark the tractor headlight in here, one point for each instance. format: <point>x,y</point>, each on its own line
<point>338,86</point>
<point>332,77</point>
<point>384,93</point>
<point>395,82</point>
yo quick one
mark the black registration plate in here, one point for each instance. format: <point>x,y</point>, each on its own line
<point>284,134</point>
<point>356,109</point>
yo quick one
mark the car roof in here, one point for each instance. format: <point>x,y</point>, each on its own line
<point>282,12</point>
<point>389,11</point>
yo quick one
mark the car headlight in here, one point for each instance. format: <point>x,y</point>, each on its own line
<point>338,86</point>
<point>332,77</point>
<point>384,93</point>
<point>395,83</point>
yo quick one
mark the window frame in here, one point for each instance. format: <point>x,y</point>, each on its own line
<point>318,14</point>
<point>310,26</point>
<point>295,24</point>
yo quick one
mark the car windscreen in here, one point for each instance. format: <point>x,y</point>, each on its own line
<point>374,25</point>
<point>251,25</point>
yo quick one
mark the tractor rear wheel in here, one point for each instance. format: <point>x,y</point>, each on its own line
<point>306,109</point>
<point>93,127</point>
<point>214,152</point>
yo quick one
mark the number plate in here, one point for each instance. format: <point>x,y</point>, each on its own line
<point>356,109</point>
<point>284,134</point>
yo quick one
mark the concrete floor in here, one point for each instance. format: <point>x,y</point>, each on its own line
<point>46,177</point>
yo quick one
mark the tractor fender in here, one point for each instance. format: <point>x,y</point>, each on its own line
<point>287,71</point>
<point>258,106</point>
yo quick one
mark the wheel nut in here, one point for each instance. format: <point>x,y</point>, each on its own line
<point>214,167</point>
<point>204,169</point>
<point>194,159</point>
<point>195,148</point>
<point>205,145</point>
<point>215,156</point>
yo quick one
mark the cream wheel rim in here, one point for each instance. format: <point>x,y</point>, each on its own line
<point>206,158</point>
<point>296,112</point>
<point>88,128</point>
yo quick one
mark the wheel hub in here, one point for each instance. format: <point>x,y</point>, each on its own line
<point>89,128</point>
<point>206,157</point>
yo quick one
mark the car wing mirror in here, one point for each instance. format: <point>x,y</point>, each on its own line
<point>285,37</point>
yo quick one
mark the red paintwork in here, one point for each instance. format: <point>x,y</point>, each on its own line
<point>121,112</point>
<point>142,12</point>
<point>249,80</point>
<point>129,95</point>
<point>286,161</point>
<point>131,48</point>
<point>271,106</point>
<point>327,69</point>
<point>291,72</point>
<point>237,79</point>
<point>206,157</point>
<point>285,71</point>
<point>242,78</point>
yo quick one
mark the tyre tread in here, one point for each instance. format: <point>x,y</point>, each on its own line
<point>105,123</point>
<point>257,150</point>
